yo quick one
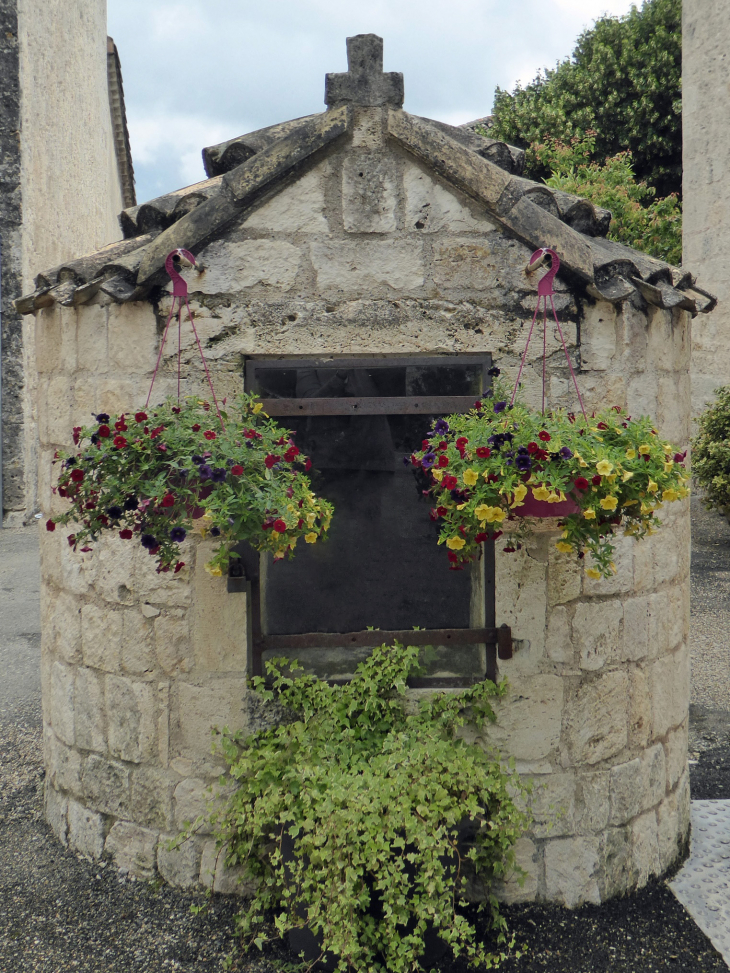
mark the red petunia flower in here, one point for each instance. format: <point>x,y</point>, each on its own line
<point>425,445</point>
<point>120,425</point>
<point>120,442</point>
<point>196,427</point>
<point>76,431</point>
<point>291,454</point>
<point>441,511</point>
<point>509,549</point>
<point>601,425</point>
<point>104,431</point>
<point>461,441</point>
<point>477,406</point>
<point>443,460</point>
<point>481,537</point>
<point>125,534</point>
<point>280,526</point>
<point>452,556</point>
<point>236,469</point>
<point>532,447</point>
<point>71,540</point>
<point>168,500</point>
<point>179,566</point>
<point>581,483</point>
<point>449,482</point>
<point>492,478</point>
<point>443,444</point>
<point>595,480</point>
<point>156,432</point>
<point>77,475</point>
<point>140,416</point>
<point>545,436</point>
<point>308,464</point>
<point>176,410</point>
<point>209,434</point>
<point>50,525</point>
<point>271,460</point>
<point>484,452</point>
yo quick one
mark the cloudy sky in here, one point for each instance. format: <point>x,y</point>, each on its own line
<point>197,72</point>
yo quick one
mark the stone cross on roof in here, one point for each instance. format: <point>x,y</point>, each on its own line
<point>364,83</point>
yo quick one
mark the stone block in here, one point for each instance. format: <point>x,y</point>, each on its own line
<point>434,208</point>
<point>132,337</point>
<point>214,873</point>
<point>640,712</point>
<point>521,598</point>
<point>101,637</point>
<point>63,765</point>
<point>62,702</point>
<point>645,841</point>
<point>617,873</point>
<point>86,830</point>
<point>137,647</point>
<point>235,266</point>
<point>564,578</point>
<point>665,339</point>
<point>56,811</point>
<point>626,791</point>
<point>669,839</point>
<point>675,750</point>
<point>133,849</point>
<point>131,719</point>
<point>151,797</point>
<point>558,644</point>
<point>166,590</point>
<point>73,571</point>
<point>299,208</point>
<point>632,337</point>
<point>55,340</point>
<point>89,711</point>
<point>61,618</point>
<point>172,638</point>
<point>572,868</point>
<point>635,644</point>
<point>623,578</point>
<point>553,805</point>
<point>180,867</point>
<point>596,632</point>
<point>92,346</point>
<point>106,785</point>
<point>596,718</point>
<point>653,776</point>
<point>115,580</point>
<point>529,719</point>
<point>592,802</point>
<point>369,192</point>
<point>219,625</point>
<point>191,801</point>
<point>55,411</point>
<point>666,620</point>
<point>669,682</point>
<point>598,337</point>
<point>377,268</point>
<point>195,710</point>
<point>520,888</point>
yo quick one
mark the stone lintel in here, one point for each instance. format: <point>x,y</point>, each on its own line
<point>364,83</point>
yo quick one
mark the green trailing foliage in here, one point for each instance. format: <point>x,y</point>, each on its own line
<point>368,789</point>
<point>623,81</point>
<point>638,218</point>
<point>711,452</point>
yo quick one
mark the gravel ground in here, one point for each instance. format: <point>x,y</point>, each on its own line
<point>59,913</point>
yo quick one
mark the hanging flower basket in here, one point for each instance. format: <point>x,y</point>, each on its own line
<point>600,474</point>
<point>148,476</point>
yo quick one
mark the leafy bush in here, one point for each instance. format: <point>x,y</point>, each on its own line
<point>624,81</point>
<point>711,451</point>
<point>371,787</point>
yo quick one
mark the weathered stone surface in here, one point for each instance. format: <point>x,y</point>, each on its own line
<point>133,849</point>
<point>106,785</point>
<point>558,644</point>
<point>640,716</point>
<point>636,629</point>
<point>172,641</point>
<point>521,597</point>
<point>432,207</point>
<point>192,797</point>
<point>294,209</point>
<point>626,791</point>
<point>553,805</point>
<point>101,633</point>
<point>666,621</point>
<point>623,578</point>
<point>61,617</point>
<point>137,647</point>
<point>646,847</point>
<point>669,682</point>
<point>571,871</point>
<point>63,766</point>
<point>86,830</point>
<point>369,192</point>
<point>132,337</point>
<point>91,341</point>
<point>596,719</point>
<point>618,871</point>
<point>364,83</point>
<point>528,721</point>
<point>151,797</point>
<point>598,337</point>
<point>235,266</point>
<point>669,839</point>
<point>564,578</point>
<point>526,858</point>
<point>56,810</point>
<point>675,749</point>
<point>378,268</point>
<point>89,710</point>
<point>596,627</point>
<point>593,802</point>
<point>219,621</point>
<point>62,702</point>
<point>180,866</point>
<point>197,709</point>
<point>131,719</point>
<point>214,873</point>
<point>653,776</point>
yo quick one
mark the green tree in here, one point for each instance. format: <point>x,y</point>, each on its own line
<point>639,219</point>
<point>624,82</point>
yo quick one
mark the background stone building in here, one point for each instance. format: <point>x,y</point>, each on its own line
<point>367,232</point>
<point>65,175</point>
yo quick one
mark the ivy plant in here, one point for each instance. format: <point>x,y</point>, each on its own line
<point>711,452</point>
<point>368,788</point>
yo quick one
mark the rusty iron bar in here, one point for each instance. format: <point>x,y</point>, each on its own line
<point>370,405</point>
<point>367,639</point>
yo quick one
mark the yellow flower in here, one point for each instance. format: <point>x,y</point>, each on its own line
<point>257,408</point>
<point>612,478</point>
<point>460,506</point>
<point>541,493</point>
<point>553,497</point>
<point>626,476</point>
<point>580,459</point>
<point>455,543</point>
<point>652,487</point>
<point>275,535</point>
<point>604,467</point>
<point>519,495</point>
<point>630,503</point>
<point>668,448</point>
<point>609,503</point>
<point>670,495</point>
<point>470,477</point>
<point>310,519</point>
<point>564,547</point>
<point>589,514</point>
<point>644,449</point>
<point>496,515</point>
<point>593,573</point>
<point>482,511</point>
<point>438,474</point>
<point>630,454</point>
<point>310,538</point>
<point>214,570</point>
<point>668,466</point>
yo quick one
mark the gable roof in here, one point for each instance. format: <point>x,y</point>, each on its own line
<point>242,169</point>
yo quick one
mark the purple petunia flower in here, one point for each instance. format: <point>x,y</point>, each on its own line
<point>115,512</point>
<point>205,472</point>
<point>215,532</point>
<point>566,453</point>
<point>441,427</point>
<point>219,474</point>
<point>131,503</point>
<point>102,417</point>
<point>197,460</point>
<point>500,406</point>
<point>494,372</point>
<point>149,542</point>
<point>177,534</point>
<point>523,462</point>
<point>428,460</point>
<point>406,461</point>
